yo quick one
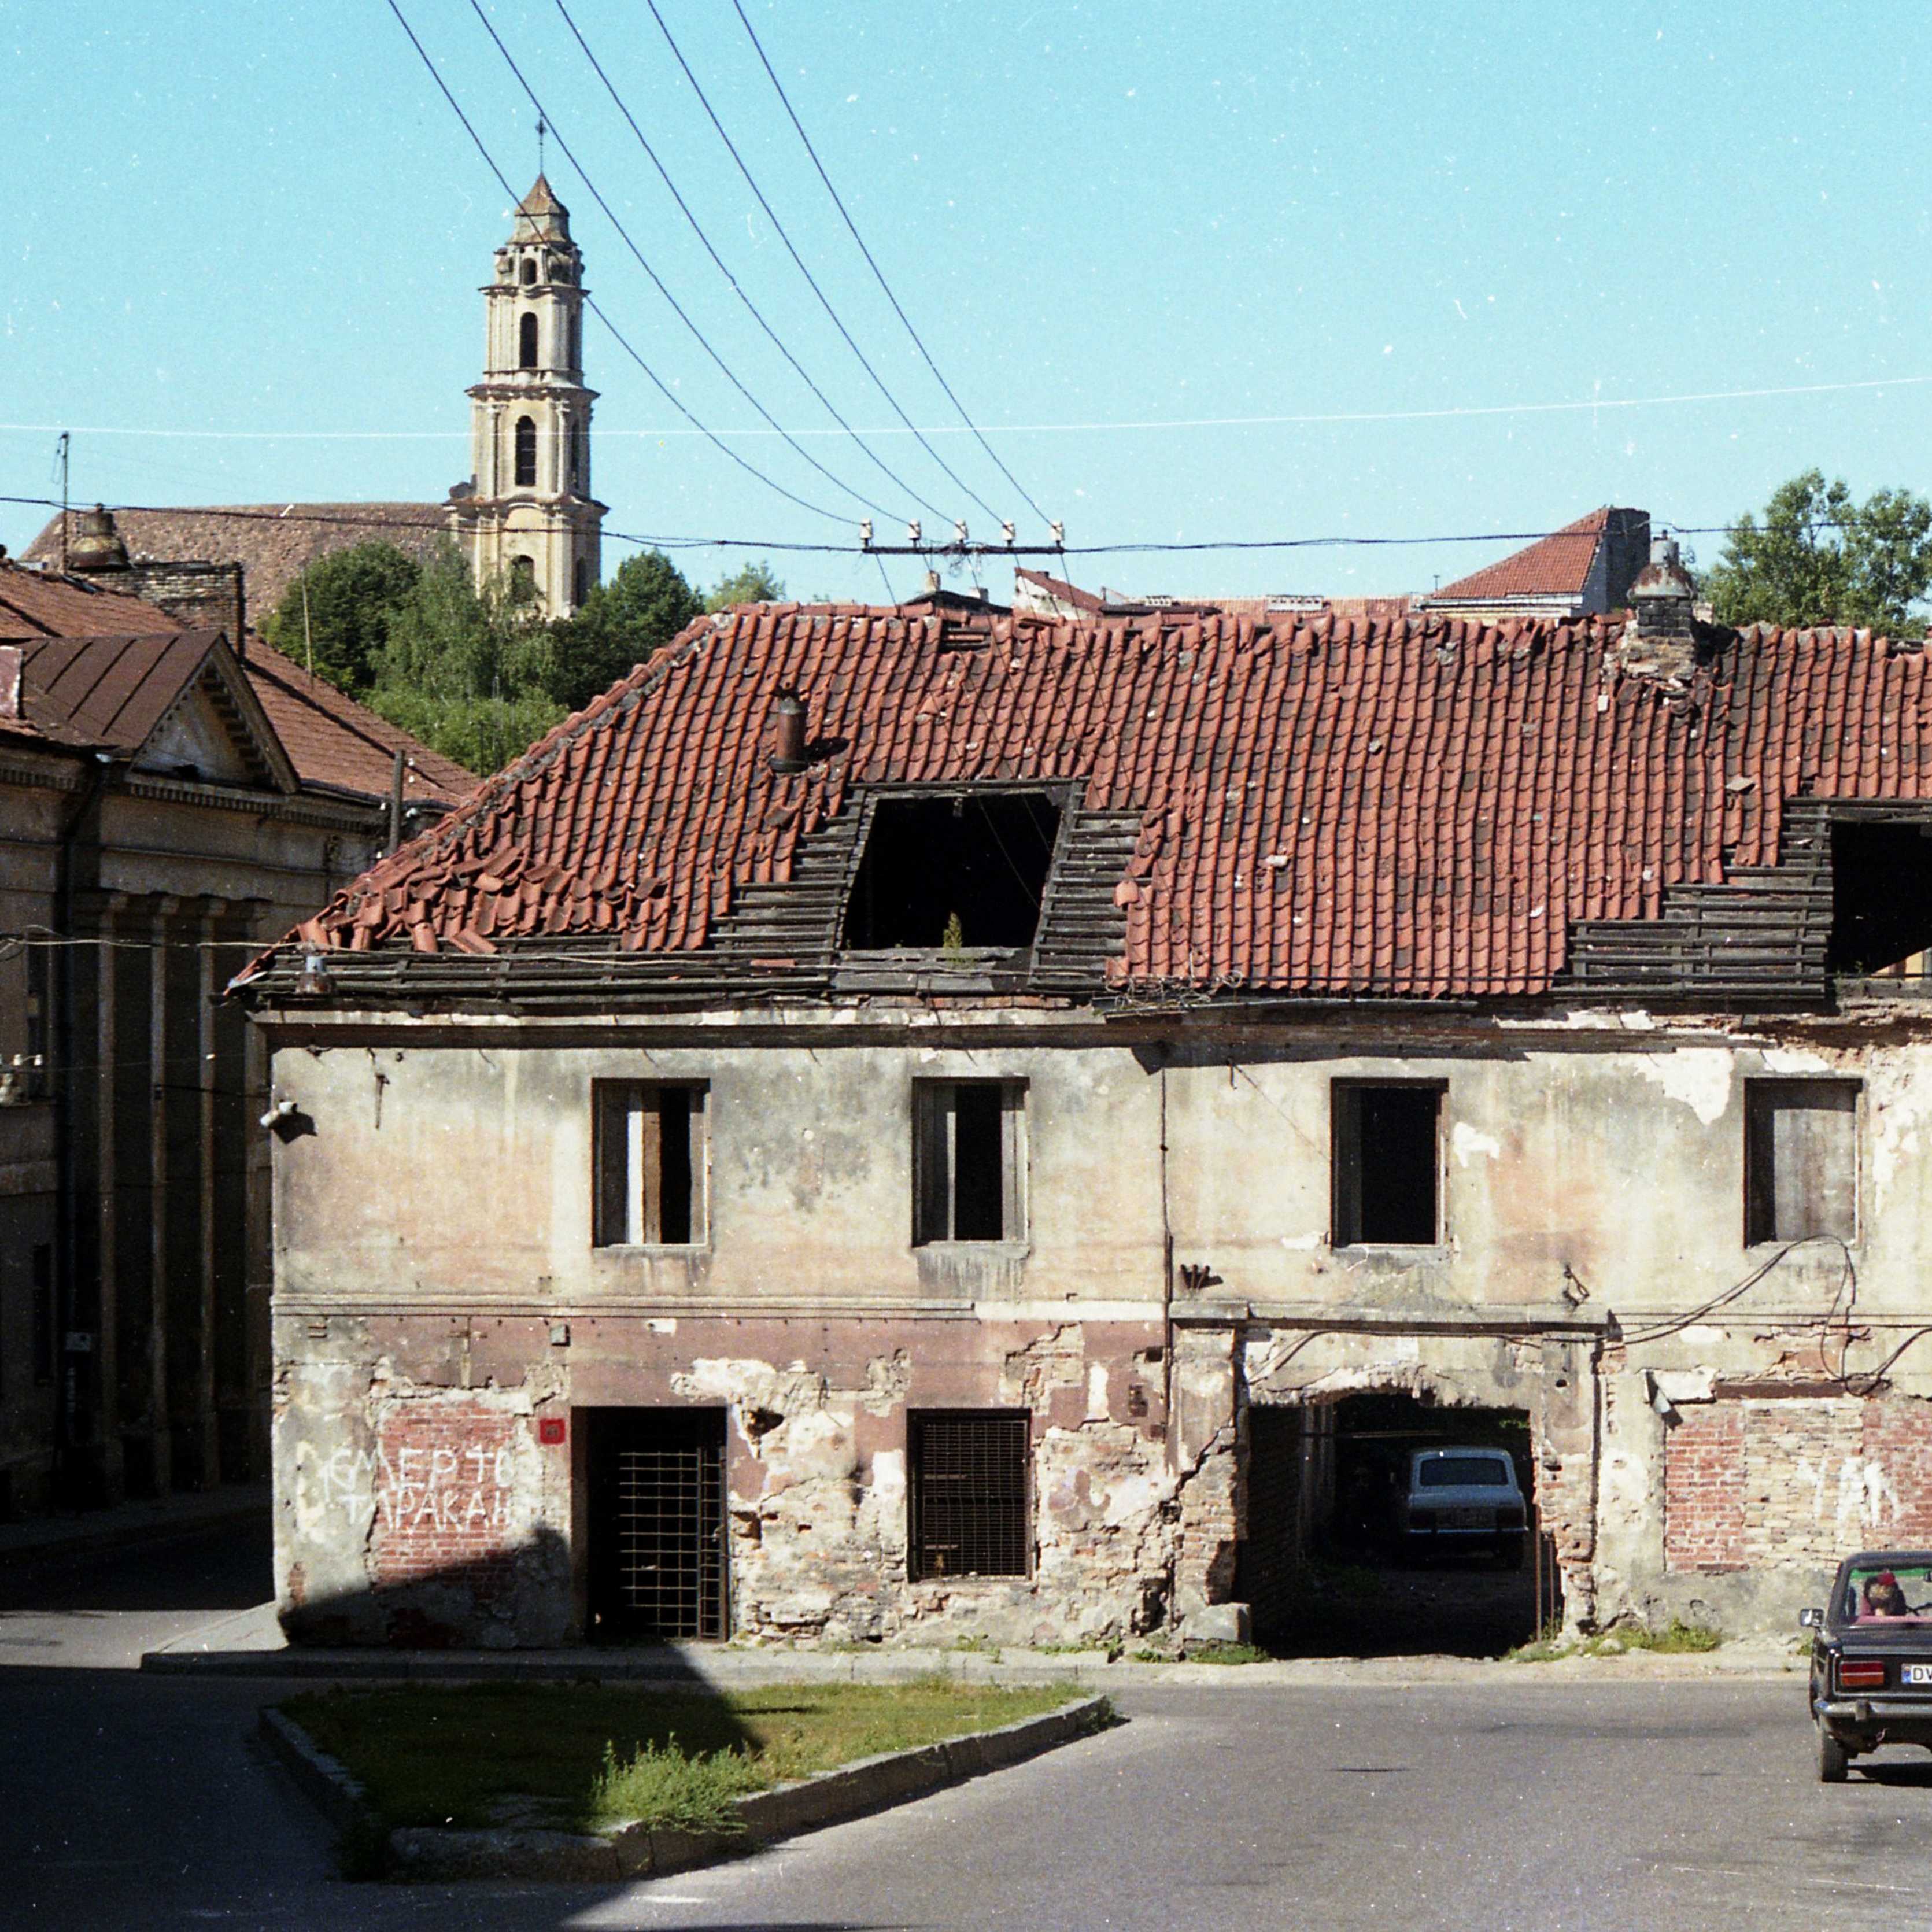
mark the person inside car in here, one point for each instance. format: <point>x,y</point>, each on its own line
<point>1884,1598</point>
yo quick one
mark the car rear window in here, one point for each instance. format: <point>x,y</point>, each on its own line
<point>1888,1593</point>
<point>1444,1472</point>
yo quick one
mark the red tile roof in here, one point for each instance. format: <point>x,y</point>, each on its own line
<point>34,604</point>
<point>1417,808</point>
<point>332,740</point>
<point>1558,565</point>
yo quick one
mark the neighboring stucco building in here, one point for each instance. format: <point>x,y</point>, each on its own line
<point>166,802</point>
<point>902,1122</point>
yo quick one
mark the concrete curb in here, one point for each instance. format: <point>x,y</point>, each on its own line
<point>636,1851</point>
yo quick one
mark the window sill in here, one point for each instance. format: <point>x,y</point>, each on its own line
<point>1400,1250</point>
<point>686,1249</point>
<point>1014,1251</point>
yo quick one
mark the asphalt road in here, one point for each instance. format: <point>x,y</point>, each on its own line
<point>1554,1807</point>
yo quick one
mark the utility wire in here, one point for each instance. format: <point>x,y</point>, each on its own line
<point>544,114</point>
<point>697,229</point>
<point>878,273</point>
<point>623,341</point>
<point>812,281</point>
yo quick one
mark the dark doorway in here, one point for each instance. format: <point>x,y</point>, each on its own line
<point>655,1525</point>
<point>1881,896</point>
<point>961,872</point>
<point>1338,1565</point>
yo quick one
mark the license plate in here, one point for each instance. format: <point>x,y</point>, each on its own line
<point>1917,1673</point>
<point>1478,1518</point>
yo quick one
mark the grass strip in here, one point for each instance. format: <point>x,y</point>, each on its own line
<point>577,1757</point>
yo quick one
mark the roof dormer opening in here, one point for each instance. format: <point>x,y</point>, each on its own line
<point>1881,899</point>
<point>953,872</point>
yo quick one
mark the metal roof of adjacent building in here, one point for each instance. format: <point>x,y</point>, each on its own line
<point>1423,807</point>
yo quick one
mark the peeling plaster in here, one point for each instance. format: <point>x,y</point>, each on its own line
<point>1465,1140</point>
<point>1698,1076</point>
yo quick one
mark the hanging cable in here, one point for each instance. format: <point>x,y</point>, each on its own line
<point>879,273</point>
<point>697,229</point>
<point>623,342</point>
<point>545,117</point>
<point>812,281</point>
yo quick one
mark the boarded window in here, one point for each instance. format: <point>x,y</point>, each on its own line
<point>527,341</point>
<point>1801,1160</point>
<point>650,1158</point>
<point>953,872</point>
<point>525,454</point>
<point>1387,1163</point>
<point>969,1160</point>
<point>968,1491</point>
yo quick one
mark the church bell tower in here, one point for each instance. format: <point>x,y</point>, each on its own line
<point>527,520</point>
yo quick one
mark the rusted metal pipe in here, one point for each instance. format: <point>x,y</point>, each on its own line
<point>788,729</point>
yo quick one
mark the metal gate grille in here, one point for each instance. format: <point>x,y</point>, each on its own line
<point>969,1492</point>
<point>660,1520</point>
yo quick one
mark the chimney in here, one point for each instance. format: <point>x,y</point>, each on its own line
<point>96,543</point>
<point>788,733</point>
<point>12,658</point>
<point>1661,635</point>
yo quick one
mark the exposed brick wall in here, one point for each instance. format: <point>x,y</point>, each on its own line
<point>446,1500</point>
<point>1770,1484</point>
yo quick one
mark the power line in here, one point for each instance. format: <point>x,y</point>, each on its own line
<point>771,215</point>
<point>878,273</point>
<point>697,229</point>
<point>544,115</point>
<point>623,341</point>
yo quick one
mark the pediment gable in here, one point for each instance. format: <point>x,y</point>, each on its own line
<point>215,733</point>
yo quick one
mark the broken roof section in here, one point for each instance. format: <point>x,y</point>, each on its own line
<point>1584,570</point>
<point>1419,809</point>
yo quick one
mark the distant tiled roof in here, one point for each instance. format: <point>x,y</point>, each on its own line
<point>1057,588</point>
<point>105,693</point>
<point>1558,565</point>
<point>1419,809</point>
<point>273,542</point>
<point>34,604</point>
<point>333,741</point>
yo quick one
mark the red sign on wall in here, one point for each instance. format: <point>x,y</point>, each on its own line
<point>550,1430</point>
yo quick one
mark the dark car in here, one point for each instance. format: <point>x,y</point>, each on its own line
<point>1871,1657</point>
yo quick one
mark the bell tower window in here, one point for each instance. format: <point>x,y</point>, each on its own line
<point>527,341</point>
<point>523,580</point>
<point>529,272</point>
<point>526,453</point>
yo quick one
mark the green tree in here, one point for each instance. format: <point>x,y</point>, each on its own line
<point>466,671</point>
<point>334,617</point>
<point>749,583</point>
<point>640,610</point>
<point>1819,558</point>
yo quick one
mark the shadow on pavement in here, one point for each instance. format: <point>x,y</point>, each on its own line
<point>227,1566</point>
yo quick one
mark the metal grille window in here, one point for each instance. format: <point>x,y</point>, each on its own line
<point>657,1528</point>
<point>969,1492</point>
<point>969,1160</point>
<point>1801,1160</point>
<point>650,1157</point>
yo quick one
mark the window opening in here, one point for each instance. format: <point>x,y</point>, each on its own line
<point>581,580</point>
<point>967,1492</point>
<point>527,341</point>
<point>523,580</point>
<point>1801,1160</point>
<point>1387,1163</point>
<point>649,1156</point>
<point>952,873</point>
<point>526,453</point>
<point>969,1160</point>
<point>656,1509</point>
<point>576,339</point>
<point>1881,899</point>
<point>530,271</point>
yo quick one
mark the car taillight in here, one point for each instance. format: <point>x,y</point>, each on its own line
<point>1860,1676</point>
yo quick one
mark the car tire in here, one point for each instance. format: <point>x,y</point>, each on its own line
<point>1834,1761</point>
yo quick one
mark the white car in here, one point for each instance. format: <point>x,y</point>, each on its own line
<point>1462,1500</point>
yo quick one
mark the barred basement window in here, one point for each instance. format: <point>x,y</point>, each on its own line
<point>1387,1162</point>
<point>968,1160</point>
<point>1801,1160</point>
<point>650,1158</point>
<point>967,1492</point>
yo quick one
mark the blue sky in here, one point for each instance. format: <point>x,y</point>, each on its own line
<point>256,218</point>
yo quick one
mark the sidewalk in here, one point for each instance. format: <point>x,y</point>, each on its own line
<point>77,1533</point>
<point>250,1644</point>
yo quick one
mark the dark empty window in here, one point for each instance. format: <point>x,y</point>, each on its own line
<point>1881,896</point>
<point>529,272</point>
<point>953,873</point>
<point>526,453</point>
<point>523,580</point>
<point>1387,1164</point>
<point>966,1492</point>
<point>580,582</point>
<point>576,339</point>
<point>1801,1160</point>
<point>649,1158</point>
<point>969,1160</point>
<point>526,342</point>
